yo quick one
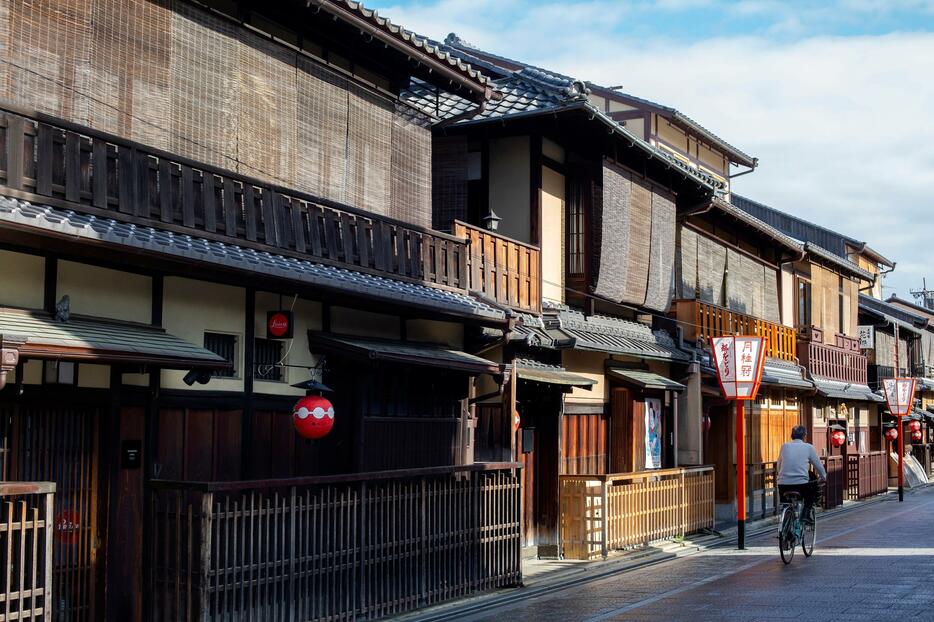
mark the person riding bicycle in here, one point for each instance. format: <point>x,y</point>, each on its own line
<point>793,476</point>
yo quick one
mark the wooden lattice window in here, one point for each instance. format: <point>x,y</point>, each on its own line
<point>576,230</point>
<point>225,346</point>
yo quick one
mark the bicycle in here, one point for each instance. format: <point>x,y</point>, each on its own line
<point>793,530</point>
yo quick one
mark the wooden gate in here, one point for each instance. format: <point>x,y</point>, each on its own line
<point>60,445</point>
<point>26,551</point>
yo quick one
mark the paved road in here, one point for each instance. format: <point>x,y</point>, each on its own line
<point>875,563</point>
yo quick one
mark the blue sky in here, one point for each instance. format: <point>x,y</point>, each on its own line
<point>835,97</point>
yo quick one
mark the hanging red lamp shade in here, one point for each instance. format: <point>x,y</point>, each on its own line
<point>838,438</point>
<point>313,417</point>
<point>914,426</point>
<point>515,420</point>
<point>892,434</point>
<point>916,436</point>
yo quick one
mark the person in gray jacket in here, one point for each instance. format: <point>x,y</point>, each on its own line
<point>794,461</point>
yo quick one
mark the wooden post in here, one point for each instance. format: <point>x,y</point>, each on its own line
<point>604,518</point>
<point>901,434</point>
<point>47,601</point>
<point>204,587</point>
<point>740,476</point>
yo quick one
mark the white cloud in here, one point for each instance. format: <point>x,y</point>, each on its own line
<point>841,124</point>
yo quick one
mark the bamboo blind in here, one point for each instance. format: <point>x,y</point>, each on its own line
<point>170,75</point>
<point>449,180</point>
<point>634,230</point>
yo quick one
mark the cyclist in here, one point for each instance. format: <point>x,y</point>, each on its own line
<point>793,461</point>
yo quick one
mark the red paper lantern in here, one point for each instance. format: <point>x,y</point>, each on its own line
<point>914,426</point>
<point>916,436</point>
<point>838,438</point>
<point>313,417</point>
<point>515,420</point>
<point>892,434</point>
<point>706,423</point>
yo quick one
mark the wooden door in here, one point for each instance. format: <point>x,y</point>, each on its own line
<point>621,431</point>
<point>720,454</point>
<point>61,444</point>
<point>540,409</point>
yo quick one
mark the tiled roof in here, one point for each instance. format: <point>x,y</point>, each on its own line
<point>108,340</point>
<point>66,222</point>
<point>533,91</point>
<point>406,37</point>
<point>752,221</point>
<point>845,390</point>
<point>603,333</point>
<point>748,210</point>
<point>902,316</point>
<point>470,51</point>
<point>530,369</point>
<point>801,229</point>
<point>785,374</point>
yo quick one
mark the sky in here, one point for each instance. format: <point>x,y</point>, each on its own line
<point>835,97</point>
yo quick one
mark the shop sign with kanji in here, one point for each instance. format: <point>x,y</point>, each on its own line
<point>900,394</point>
<point>739,361</point>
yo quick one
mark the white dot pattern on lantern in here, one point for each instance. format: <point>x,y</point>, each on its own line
<point>317,413</point>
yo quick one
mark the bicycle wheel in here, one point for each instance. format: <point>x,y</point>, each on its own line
<point>809,532</point>
<point>786,535</point>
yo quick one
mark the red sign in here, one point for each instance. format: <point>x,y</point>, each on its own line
<point>739,361</point>
<point>279,325</point>
<point>67,527</point>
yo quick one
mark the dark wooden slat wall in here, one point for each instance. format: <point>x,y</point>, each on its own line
<point>585,444</point>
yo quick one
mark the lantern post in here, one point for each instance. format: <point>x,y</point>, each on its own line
<point>900,395</point>
<point>739,361</point>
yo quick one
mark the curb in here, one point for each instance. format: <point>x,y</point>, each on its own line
<point>630,563</point>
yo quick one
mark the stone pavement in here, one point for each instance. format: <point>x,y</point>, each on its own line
<point>873,563</point>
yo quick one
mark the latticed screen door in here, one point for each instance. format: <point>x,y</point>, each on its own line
<point>61,445</point>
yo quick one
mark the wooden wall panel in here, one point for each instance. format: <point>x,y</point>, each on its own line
<point>584,444</point>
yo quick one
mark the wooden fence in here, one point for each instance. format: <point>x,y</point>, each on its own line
<point>761,490</point>
<point>74,167</point>
<point>604,512</point>
<point>26,527</point>
<point>501,268</point>
<point>833,362</point>
<point>866,474</point>
<point>364,546</point>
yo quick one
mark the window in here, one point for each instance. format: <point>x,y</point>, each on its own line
<point>841,306</point>
<point>804,303</point>
<point>577,247</point>
<point>225,346</point>
<point>267,356</point>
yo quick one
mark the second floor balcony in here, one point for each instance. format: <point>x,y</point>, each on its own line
<point>502,269</point>
<point>702,320</point>
<point>54,162</point>
<point>833,362</point>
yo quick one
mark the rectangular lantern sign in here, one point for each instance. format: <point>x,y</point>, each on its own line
<point>900,394</point>
<point>739,362</point>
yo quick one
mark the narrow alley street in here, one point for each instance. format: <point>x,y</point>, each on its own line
<point>873,563</point>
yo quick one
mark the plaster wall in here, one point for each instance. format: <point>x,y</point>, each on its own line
<point>22,280</point>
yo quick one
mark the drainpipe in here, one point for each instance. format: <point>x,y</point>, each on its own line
<point>755,165</point>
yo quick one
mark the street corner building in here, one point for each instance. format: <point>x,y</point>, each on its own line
<point>305,316</point>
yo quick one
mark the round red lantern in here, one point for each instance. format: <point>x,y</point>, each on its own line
<point>313,417</point>
<point>516,420</point>
<point>706,423</point>
<point>838,438</point>
<point>916,436</point>
<point>892,434</point>
<point>914,426</point>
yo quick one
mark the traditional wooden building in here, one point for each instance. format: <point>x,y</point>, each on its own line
<point>171,174</point>
<point>575,218</point>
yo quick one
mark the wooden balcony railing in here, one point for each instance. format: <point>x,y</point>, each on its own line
<point>831,362</point>
<point>347,547</point>
<point>702,320</point>
<point>502,269</point>
<point>65,165</point>
<point>26,528</point>
<point>604,512</point>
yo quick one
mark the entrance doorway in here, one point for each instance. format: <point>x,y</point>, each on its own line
<point>61,444</point>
